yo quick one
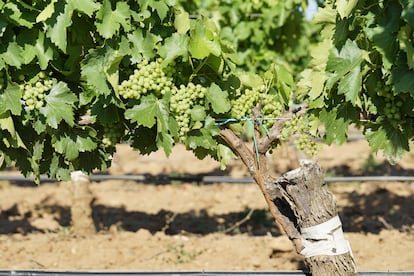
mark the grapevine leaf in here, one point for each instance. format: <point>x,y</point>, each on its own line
<point>160,7</point>
<point>344,61</point>
<point>203,42</point>
<point>59,104</point>
<point>112,71</point>
<point>198,113</point>
<point>218,99</point>
<point>6,123</point>
<point>94,68</point>
<point>350,85</point>
<point>87,7</point>
<point>225,154</point>
<point>47,12</point>
<point>10,99</point>
<point>144,139</point>
<point>12,11</point>
<point>174,46</point>
<point>71,144</point>
<point>59,22</point>
<point>384,35</point>
<point>13,55</point>
<point>345,7</point>
<point>403,80</point>
<point>109,21</point>
<point>165,141</point>
<point>335,127</point>
<point>182,21</point>
<point>391,140</point>
<point>43,51</point>
<point>142,45</point>
<point>144,113</point>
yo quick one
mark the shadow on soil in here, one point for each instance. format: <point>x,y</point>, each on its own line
<point>369,213</point>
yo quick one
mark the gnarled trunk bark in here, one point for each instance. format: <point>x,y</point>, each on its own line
<point>301,205</point>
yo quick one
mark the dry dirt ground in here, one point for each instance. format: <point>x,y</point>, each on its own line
<point>202,227</point>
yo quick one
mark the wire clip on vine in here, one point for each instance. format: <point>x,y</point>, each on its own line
<point>324,239</point>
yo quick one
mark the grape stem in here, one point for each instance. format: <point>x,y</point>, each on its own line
<point>273,134</point>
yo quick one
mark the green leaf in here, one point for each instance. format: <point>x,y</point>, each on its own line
<point>203,41</point>
<point>142,45</point>
<point>391,140</point>
<point>59,22</point>
<point>13,55</point>
<point>43,51</point>
<point>218,99</point>
<point>71,144</point>
<point>95,66</point>
<point>225,155</point>
<point>174,46</point>
<point>345,7</point>
<point>165,141</point>
<point>182,21</point>
<point>351,85</point>
<point>403,80</point>
<point>343,61</point>
<point>59,105</point>
<point>6,123</point>
<point>10,99</point>
<point>87,7</point>
<point>335,128</point>
<point>109,21</point>
<point>160,7</point>
<point>144,113</point>
<point>47,12</point>
<point>384,35</point>
<point>12,11</point>
<point>198,113</point>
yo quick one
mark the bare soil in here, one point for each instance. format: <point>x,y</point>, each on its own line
<point>203,227</point>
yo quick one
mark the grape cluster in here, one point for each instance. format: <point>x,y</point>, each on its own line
<point>244,102</point>
<point>148,77</point>
<point>2,80</point>
<point>182,101</point>
<point>299,125</point>
<point>113,134</point>
<point>271,108</point>
<point>34,93</point>
<point>392,105</point>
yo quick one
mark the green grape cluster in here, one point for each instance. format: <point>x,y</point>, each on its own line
<point>2,80</point>
<point>392,104</point>
<point>113,133</point>
<point>271,108</point>
<point>298,125</point>
<point>182,101</point>
<point>147,77</point>
<point>244,102</point>
<point>34,93</point>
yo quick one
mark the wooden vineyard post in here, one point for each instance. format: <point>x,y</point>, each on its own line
<point>81,211</point>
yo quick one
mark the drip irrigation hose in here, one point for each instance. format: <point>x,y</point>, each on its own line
<point>175,273</point>
<point>166,179</point>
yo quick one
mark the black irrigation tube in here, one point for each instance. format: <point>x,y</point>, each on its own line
<point>175,273</point>
<point>165,179</point>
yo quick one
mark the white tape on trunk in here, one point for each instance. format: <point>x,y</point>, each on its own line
<point>324,239</point>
